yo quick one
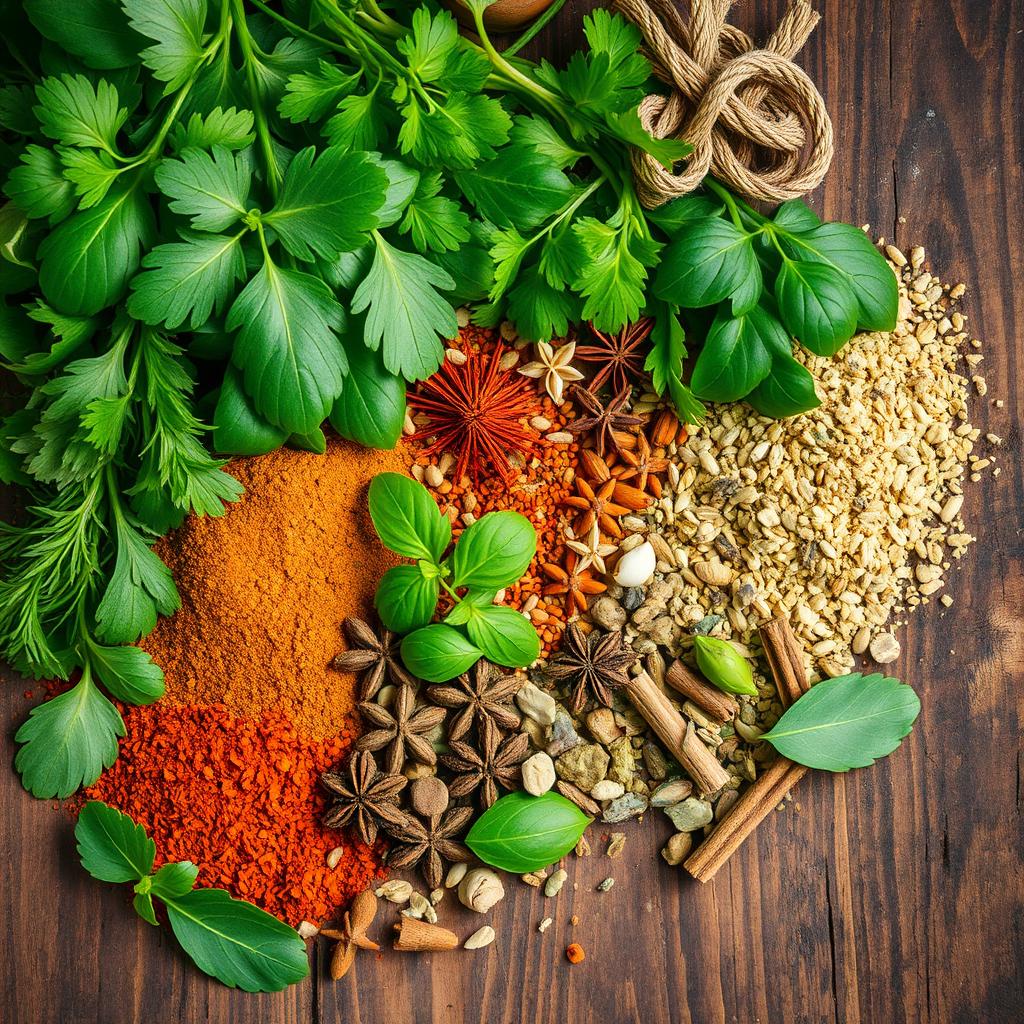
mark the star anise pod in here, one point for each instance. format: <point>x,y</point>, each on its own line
<point>594,665</point>
<point>374,653</point>
<point>597,505</point>
<point>485,694</point>
<point>430,842</point>
<point>642,467</point>
<point>493,762</point>
<point>602,420</point>
<point>619,355</point>
<point>400,728</point>
<point>574,581</point>
<point>365,794</point>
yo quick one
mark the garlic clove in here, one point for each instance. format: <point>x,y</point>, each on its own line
<point>636,567</point>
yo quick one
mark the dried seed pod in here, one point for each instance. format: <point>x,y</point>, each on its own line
<point>480,890</point>
<point>342,958</point>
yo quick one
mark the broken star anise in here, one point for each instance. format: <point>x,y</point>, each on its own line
<point>592,665</point>
<point>430,842</point>
<point>374,653</point>
<point>400,728</point>
<point>575,581</point>
<point>602,420</point>
<point>363,794</point>
<point>484,694</point>
<point>619,355</point>
<point>493,762</point>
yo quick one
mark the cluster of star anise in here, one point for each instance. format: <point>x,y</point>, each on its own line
<point>482,734</point>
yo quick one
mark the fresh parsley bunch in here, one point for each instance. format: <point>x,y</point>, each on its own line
<point>488,556</point>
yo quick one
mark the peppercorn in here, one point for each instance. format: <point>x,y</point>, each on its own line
<point>574,953</point>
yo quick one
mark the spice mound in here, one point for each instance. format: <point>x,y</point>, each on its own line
<point>265,586</point>
<point>239,798</point>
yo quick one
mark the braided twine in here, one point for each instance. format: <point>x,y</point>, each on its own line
<point>755,120</point>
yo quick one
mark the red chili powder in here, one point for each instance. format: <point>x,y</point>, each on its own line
<point>239,797</point>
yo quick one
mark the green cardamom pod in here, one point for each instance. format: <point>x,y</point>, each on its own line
<point>724,665</point>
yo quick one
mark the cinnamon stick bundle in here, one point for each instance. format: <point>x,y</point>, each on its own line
<point>677,734</point>
<point>786,663</point>
<point>722,707</point>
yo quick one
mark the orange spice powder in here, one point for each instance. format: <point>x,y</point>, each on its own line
<point>265,587</point>
<point>239,798</point>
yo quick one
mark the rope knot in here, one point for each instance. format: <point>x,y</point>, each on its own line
<point>755,120</point>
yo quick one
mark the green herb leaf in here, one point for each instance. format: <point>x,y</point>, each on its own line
<point>177,26</point>
<point>38,186</point>
<point>494,552</point>
<point>94,30</point>
<point>406,598</point>
<point>438,653</point>
<point>522,833</point>
<point>129,673</point>
<point>211,188</point>
<point>674,215</point>
<point>238,428</point>
<point>288,348</point>
<point>174,879</point>
<point>407,518</point>
<point>371,408</point>
<point>435,222</point>
<point>504,635</point>
<point>68,741</point>
<point>87,262</point>
<point>236,942</point>
<point>327,204</point>
<point>188,280</point>
<point>405,313</point>
<point>231,129</point>
<point>710,261</point>
<point>312,95</point>
<point>817,305</point>
<point>735,357</point>
<point>75,112</point>
<point>846,722</point>
<point>787,391</point>
<point>111,846</point>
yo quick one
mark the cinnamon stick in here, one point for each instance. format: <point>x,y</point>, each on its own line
<point>415,936</point>
<point>671,728</point>
<point>723,707</point>
<point>782,652</point>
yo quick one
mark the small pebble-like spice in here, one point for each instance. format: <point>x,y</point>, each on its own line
<point>605,885</point>
<point>553,886</point>
<point>574,953</point>
<point>480,938</point>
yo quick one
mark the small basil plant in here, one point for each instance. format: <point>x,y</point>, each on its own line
<point>490,555</point>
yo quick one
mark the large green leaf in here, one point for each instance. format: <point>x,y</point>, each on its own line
<point>94,30</point>
<point>735,357</point>
<point>211,188</point>
<point>407,518</point>
<point>288,349</point>
<point>87,262</point>
<point>846,722</point>
<point>236,942</point>
<point>177,27</point>
<point>111,846</point>
<point>438,653</point>
<point>371,407</point>
<point>710,260</point>
<point>406,597</point>
<point>494,552</point>
<point>817,305</point>
<point>238,429</point>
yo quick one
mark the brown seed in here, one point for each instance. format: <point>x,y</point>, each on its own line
<point>342,958</point>
<point>429,796</point>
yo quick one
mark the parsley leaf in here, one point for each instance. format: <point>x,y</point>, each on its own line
<point>76,113</point>
<point>38,187</point>
<point>312,95</point>
<point>210,187</point>
<point>177,27</point>
<point>231,128</point>
<point>435,222</point>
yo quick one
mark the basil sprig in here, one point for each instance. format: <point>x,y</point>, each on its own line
<point>524,833</point>
<point>846,722</point>
<point>489,556</point>
<point>759,282</point>
<point>231,940</point>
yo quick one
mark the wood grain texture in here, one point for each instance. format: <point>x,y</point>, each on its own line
<point>894,893</point>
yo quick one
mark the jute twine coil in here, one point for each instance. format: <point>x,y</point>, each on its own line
<point>755,120</point>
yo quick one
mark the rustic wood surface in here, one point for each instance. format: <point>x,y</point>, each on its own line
<point>893,894</point>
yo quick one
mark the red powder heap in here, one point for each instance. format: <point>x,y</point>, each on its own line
<point>233,795</point>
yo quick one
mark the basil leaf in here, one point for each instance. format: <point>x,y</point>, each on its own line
<point>522,833</point>
<point>494,552</point>
<point>315,441</point>
<point>685,210</point>
<point>174,879</point>
<point>707,263</point>
<point>796,215</point>
<point>735,358</point>
<point>438,653</point>
<point>94,30</point>
<point>237,943</point>
<point>817,305</point>
<point>371,408</point>
<point>142,903</point>
<point>787,391</point>
<point>406,598</point>
<point>853,254</point>
<point>407,518</point>
<point>88,260</point>
<point>238,429</point>
<point>846,722</point>
<point>504,635</point>
<point>111,846</point>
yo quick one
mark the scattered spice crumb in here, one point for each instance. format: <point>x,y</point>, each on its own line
<point>574,953</point>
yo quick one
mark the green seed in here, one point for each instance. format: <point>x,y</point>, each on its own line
<point>724,665</point>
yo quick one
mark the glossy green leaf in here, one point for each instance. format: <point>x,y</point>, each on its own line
<point>236,942</point>
<point>438,653</point>
<point>522,833</point>
<point>129,673</point>
<point>177,28</point>
<point>111,846</point>
<point>796,215</point>
<point>505,636</point>
<point>94,30</point>
<point>846,722</point>
<point>787,391</point>
<point>708,262</point>
<point>494,552</point>
<point>406,598</point>
<point>735,357</point>
<point>817,305</point>
<point>407,518</point>
<point>371,407</point>
<point>210,187</point>
<point>238,428</point>
<point>174,879</point>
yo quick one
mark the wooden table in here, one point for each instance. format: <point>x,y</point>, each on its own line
<point>894,893</point>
